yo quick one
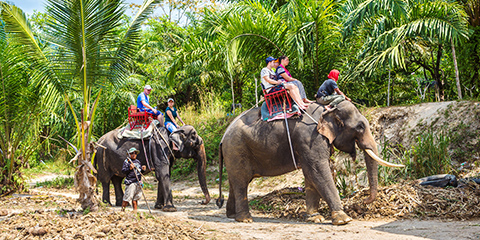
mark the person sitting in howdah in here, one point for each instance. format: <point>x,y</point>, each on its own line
<point>329,94</point>
<point>283,74</point>
<point>271,85</point>
<point>171,113</point>
<point>143,104</point>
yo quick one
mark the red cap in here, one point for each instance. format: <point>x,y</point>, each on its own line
<point>334,74</point>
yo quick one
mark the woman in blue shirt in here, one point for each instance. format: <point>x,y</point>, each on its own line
<point>170,115</point>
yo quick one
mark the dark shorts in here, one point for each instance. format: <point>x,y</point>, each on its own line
<point>276,88</point>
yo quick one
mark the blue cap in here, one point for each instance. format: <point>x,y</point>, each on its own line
<point>269,59</point>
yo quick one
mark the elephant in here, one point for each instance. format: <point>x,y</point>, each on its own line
<point>254,148</point>
<point>183,143</point>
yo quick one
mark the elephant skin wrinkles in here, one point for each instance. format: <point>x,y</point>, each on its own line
<point>109,161</point>
<point>252,148</point>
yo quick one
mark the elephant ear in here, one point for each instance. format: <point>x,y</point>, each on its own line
<point>329,125</point>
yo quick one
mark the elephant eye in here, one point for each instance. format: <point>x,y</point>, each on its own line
<point>361,127</point>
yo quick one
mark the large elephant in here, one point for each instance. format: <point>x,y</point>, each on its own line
<point>253,148</point>
<point>185,143</point>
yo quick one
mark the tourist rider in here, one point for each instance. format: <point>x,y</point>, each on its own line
<point>170,114</point>
<point>271,85</point>
<point>329,94</point>
<point>283,74</point>
<point>143,104</point>
<point>133,179</point>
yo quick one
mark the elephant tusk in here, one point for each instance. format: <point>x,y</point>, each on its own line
<point>381,161</point>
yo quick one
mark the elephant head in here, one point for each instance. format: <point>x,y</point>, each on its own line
<point>186,143</point>
<point>344,126</point>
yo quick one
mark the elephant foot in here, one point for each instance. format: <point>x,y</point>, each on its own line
<point>247,218</point>
<point>244,220</point>
<point>231,215</point>
<point>158,206</point>
<point>109,204</point>
<point>340,218</point>
<point>315,218</point>
<point>169,208</point>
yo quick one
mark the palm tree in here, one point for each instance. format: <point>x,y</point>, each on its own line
<point>20,102</point>
<point>313,34</point>
<point>85,57</point>
<point>403,33</point>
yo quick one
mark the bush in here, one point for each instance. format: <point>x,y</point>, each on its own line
<point>210,120</point>
<point>430,155</point>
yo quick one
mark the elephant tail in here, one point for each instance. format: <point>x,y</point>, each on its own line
<point>220,199</point>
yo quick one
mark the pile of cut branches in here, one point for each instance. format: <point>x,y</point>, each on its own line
<point>407,200</point>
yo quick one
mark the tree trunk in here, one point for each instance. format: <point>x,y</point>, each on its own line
<point>315,58</point>
<point>85,181</point>
<point>457,77</point>
<point>437,75</point>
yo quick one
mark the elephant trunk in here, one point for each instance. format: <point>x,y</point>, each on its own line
<point>369,146</point>
<point>372,173</point>
<point>202,172</point>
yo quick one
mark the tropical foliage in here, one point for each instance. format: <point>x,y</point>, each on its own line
<point>72,71</point>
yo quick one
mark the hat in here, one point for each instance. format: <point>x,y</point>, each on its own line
<point>334,74</point>
<point>131,150</point>
<point>170,99</point>
<point>269,59</point>
<point>147,87</point>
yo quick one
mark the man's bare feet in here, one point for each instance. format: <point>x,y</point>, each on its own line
<point>328,107</point>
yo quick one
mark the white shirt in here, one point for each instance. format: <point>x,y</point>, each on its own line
<point>270,74</point>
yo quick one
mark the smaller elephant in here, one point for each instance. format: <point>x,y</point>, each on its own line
<point>183,143</point>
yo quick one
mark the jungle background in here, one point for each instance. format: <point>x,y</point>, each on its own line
<point>85,61</point>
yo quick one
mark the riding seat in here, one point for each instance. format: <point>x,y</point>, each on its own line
<point>138,119</point>
<point>276,100</point>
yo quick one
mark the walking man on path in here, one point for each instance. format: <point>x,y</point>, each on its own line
<point>133,180</point>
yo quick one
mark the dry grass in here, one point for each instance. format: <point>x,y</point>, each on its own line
<point>47,217</point>
<point>407,200</point>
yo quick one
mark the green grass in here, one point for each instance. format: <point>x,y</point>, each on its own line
<point>427,156</point>
<point>58,166</point>
<point>59,183</point>
<point>210,120</point>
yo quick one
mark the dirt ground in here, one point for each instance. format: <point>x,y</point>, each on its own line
<point>196,221</point>
<point>55,211</point>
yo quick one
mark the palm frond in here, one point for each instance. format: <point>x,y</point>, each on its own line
<point>130,42</point>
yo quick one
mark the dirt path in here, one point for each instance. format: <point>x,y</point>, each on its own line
<point>214,222</point>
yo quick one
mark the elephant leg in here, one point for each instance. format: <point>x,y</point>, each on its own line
<point>117,185</point>
<point>160,199</point>
<point>231,203</point>
<point>312,197</point>
<point>242,213</point>
<point>312,200</point>
<point>321,178</point>
<point>166,199</point>
<point>106,190</point>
